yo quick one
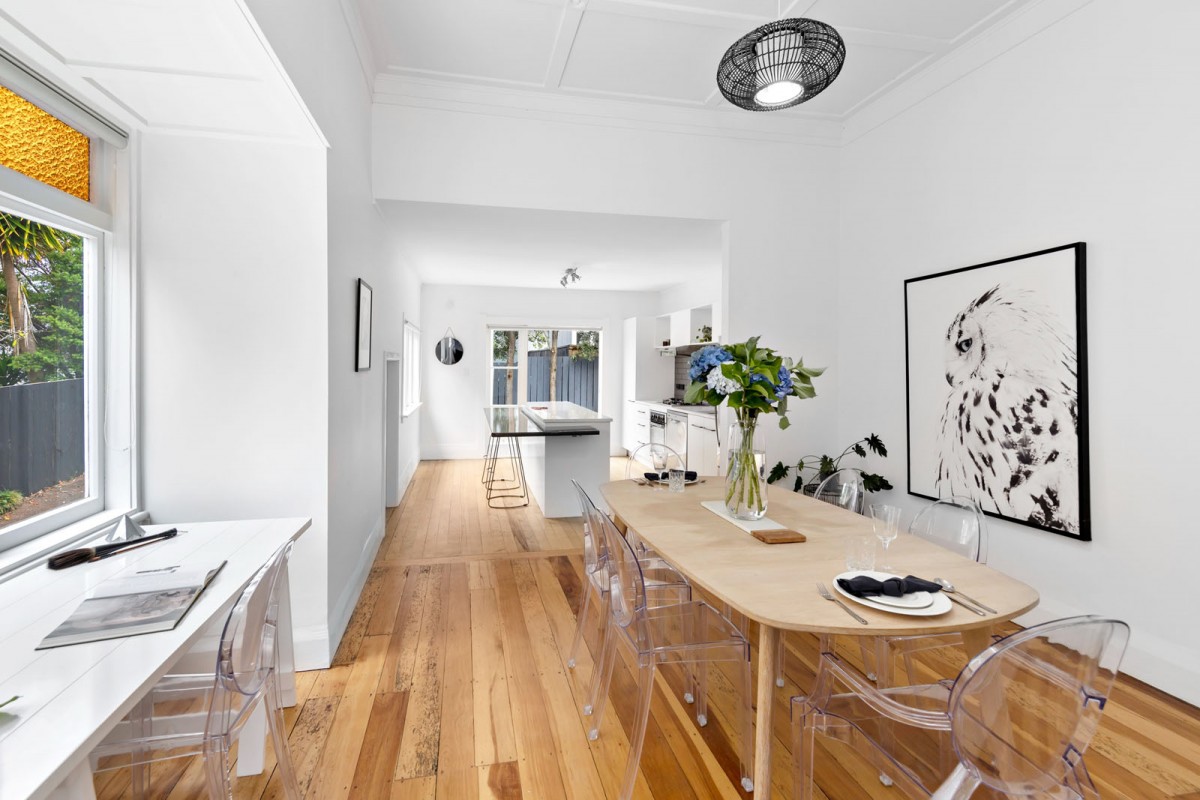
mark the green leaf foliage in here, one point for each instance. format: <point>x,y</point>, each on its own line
<point>814,468</point>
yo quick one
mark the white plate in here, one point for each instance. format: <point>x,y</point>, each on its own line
<point>939,603</point>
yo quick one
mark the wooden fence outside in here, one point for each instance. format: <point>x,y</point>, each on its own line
<point>577,381</point>
<point>41,434</point>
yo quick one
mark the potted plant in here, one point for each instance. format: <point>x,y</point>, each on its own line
<point>824,466</point>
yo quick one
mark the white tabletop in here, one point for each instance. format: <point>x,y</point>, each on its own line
<point>559,413</point>
<point>72,696</point>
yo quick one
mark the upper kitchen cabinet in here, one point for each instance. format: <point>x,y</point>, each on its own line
<point>647,374</point>
<point>686,326</point>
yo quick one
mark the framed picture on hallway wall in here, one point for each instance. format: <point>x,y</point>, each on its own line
<point>996,360</point>
<point>362,339</point>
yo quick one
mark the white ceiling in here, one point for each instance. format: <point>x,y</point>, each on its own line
<point>197,66</point>
<point>658,51</point>
<point>488,246</point>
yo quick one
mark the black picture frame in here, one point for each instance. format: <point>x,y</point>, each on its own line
<point>362,327</point>
<point>999,337</point>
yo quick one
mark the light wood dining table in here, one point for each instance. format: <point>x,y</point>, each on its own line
<point>775,585</point>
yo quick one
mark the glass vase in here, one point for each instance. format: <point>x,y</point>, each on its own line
<point>745,478</point>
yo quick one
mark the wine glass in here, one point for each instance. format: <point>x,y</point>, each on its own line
<point>886,520</point>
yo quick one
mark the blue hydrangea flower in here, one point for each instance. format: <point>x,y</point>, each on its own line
<point>784,385</point>
<point>704,360</point>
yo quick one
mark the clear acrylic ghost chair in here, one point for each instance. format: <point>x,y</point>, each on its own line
<point>652,457</point>
<point>668,588</point>
<point>845,489</point>
<point>1017,720</point>
<point>688,633</point>
<point>958,524</point>
<point>245,676</point>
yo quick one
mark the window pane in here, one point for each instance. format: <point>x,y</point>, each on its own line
<point>43,147</point>
<point>505,363</point>
<point>564,366</point>
<point>42,417</point>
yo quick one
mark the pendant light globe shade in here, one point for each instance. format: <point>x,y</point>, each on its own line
<point>780,65</point>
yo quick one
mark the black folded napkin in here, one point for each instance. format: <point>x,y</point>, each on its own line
<point>654,476</point>
<point>865,586</point>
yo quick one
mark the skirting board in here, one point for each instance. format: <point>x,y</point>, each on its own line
<point>339,617</point>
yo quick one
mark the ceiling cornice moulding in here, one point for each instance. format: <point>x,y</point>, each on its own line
<point>526,103</point>
<point>1024,23</point>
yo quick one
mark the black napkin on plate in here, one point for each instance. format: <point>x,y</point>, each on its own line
<point>654,476</point>
<point>866,586</point>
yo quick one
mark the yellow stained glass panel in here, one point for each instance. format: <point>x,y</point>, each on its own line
<point>42,146</point>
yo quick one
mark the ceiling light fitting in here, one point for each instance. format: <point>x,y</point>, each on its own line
<point>570,276</point>
<point>780,65</point>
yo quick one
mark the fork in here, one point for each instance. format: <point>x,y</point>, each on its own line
<point>826,594</point>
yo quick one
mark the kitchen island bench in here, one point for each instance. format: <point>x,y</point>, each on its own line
<point>558,442</point>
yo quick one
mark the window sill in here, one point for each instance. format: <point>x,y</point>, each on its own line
<point>19,559</point>
<point>408,412</point>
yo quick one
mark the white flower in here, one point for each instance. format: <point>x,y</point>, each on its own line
<point>723,385</point>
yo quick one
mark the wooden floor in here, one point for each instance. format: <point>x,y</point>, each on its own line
<point>451,683</point>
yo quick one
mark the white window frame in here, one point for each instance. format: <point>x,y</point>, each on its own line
<point>109,354</point>
<point>410,371</point>
<point>523,329</point>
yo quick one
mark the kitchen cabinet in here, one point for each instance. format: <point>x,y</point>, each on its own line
<point>703,452</point>
<point>637,425</point>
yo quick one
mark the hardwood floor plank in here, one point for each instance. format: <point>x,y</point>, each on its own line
<point>499,781</point>
<point>381,746</point>
<point>422,729</point>
<point>456,747</point>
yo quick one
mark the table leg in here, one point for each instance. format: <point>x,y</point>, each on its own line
<point>285,666</point>
<point>77,785</point>
<point>768,648</point>
<point>976,640</point>
<point>252,743</point>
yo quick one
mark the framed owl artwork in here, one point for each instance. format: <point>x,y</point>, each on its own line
<point>997,388</point>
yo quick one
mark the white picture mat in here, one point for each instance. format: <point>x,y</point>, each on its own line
<point>932,305</point>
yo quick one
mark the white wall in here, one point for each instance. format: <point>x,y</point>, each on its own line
<point>313,41</point>
<point>780,235</point>
<point>454,396</point>
<point>1059,141</point>
<point>232,298</point>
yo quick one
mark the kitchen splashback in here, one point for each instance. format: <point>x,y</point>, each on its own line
<point>681,375</point>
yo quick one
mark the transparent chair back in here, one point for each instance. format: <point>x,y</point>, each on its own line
<point>653,457</point>
<point>245,675</point>
<point>956,523</point>
<point>844,488</point>
<point>1023,711</point>
<point>683,633</point>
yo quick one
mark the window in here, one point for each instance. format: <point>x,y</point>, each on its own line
<point>46,345</point>
<point>506,366</point>
<point>66,288</point>
<point>410,379</point>
<point>561,364</point>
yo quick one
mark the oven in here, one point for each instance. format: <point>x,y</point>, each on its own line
<point>658,427</point>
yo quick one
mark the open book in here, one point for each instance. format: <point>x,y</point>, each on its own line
<point>137,602</point>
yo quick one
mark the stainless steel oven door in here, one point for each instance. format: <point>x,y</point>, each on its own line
<point>658,427</point>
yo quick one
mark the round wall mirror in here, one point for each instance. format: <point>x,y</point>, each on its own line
<point>448,349</point>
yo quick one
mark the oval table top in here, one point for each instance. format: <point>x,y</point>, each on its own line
<point>776,584</point>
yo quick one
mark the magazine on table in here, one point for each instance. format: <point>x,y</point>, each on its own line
<point>146,601</point>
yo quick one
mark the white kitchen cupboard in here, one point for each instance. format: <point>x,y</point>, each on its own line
<point>636,431</point>
<point>703,453</point>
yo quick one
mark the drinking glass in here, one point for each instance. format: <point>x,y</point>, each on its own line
<point>675,480</point>
<point>860,552</point>
<point>886,520</point>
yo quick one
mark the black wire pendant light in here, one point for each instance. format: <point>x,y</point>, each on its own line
<point>780,65</point>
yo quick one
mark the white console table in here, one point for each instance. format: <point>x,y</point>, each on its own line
<point>71,697</point>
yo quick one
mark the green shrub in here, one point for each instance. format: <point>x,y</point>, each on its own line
<point>9,500</point>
